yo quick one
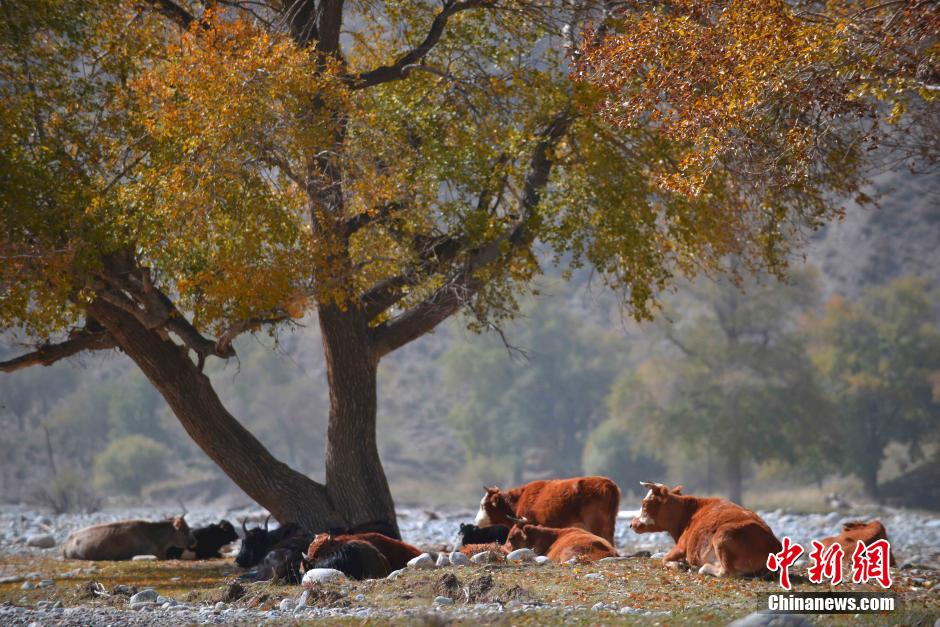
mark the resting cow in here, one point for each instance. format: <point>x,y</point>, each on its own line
<point>209,542</point>
<point>560,545</point>
<point>125,539</point>
<point>714,535</point>
<point>357,558</point>
<point>587,502</point>
<point>396,552</point>
<point>471,534</point>
<point>857,531</point>
<point>258,542</point>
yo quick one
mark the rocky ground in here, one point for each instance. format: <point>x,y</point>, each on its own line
<point>37,586</point>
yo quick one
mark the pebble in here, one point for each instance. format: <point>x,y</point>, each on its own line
<point>322,575</point>
<point>594,576</point>
<point>521,555</point>
<point>395,574</point>
<point>482,558</point>
<point>287,604</point>
<point>302,601</point>
<point>11,579</point>
<point>144,558</point>
<point>147,595</point>
<point>141,605</point>
<point>443,601</point>
<point>360,598</point>
<point>27,585</point>
<point>422,561</point>
<point>46,583</point>
<point>40,541</point>
<point>459,559</point>
<point>541,559</point>
<point>442,560</point>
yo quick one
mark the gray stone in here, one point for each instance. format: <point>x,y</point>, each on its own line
<point>395,574</point>
<point>287,604</point>
<point>422,561</point>
<point>144,558</point>
<point>459,559</point>
<point>141,605</point>
<point>40,541</point>
<point>594,576</point>
<point>521,555</point>
<point>46,583</point>
<point>442,560</point>
<point>541,559</point>
<point>302,601</point>
<point>219,607</point>
<point>360,598</point>
<point>27,585</point>
<point>322,575</point>
<point>483,558</point>
<point>600,607</point>
<point>766,619</point>
<point>11,579</point>
<point>148,595</point>
<point>443,601</point>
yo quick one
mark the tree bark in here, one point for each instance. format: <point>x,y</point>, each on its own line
<point>735,482</point>
<point>870,481</point>
<point>355,479</point>
<point>289,495</point>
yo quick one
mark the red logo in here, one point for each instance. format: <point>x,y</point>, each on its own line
<point>826,563</point>
<point>868,562</point>
<point>871,562</point>
<point>783,560</point>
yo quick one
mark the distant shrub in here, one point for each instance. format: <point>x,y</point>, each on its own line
<point>610,452</point>
<point>67,492</point>
<point>129,463</point>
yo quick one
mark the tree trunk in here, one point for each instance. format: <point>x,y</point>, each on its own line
<point>355,479</point>
<point>735,483</point>
<point>287,494</point>
<point>870,481</point>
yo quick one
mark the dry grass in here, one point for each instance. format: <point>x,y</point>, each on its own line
<point>564,592</point>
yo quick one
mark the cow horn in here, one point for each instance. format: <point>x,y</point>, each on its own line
<point>649,485</point>
<point>244,527</point>
<point>183,507</point>
<point>266,522</point>
<point>521,520</point>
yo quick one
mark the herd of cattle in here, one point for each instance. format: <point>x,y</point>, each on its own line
<point>561,519</point>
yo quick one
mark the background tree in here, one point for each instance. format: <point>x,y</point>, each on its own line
<point>739,385</point>
<point>530,409</point>
<point>879,358</point>
<point>176,176</point>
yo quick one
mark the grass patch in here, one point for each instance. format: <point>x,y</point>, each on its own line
<point>564,593</point>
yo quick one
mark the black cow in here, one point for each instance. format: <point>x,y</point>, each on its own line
<point>471,534</point>
<point>209,541</point>
<point>258,542</point>
<point>355,558</point>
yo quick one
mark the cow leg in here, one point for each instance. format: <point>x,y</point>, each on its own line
<point>674,558</point>
<point>715,570</point>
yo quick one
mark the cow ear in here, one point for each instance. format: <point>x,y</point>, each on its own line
<point>491,490</point>
<point>677,489</point>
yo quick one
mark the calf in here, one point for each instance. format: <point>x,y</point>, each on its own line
<point>209,541</point>
<point>560,545</point>
<point>590,503</point>
<point>396,552</point>
<point>125,539</point>
<point>714,535</point>
<point>281,565</point>
<point>471,534</point>
<point>356,558</point>
<point>258,542</point>
<point>855,532</point>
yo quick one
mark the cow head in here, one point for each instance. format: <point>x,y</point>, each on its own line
<point>519,534</point>
<point>227,532</point>
<point>255,545</point>
<point>323,544</point>
<point>494,509</point>
<point>659,509</point>
<point>182,535</point>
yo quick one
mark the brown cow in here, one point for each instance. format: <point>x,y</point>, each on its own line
<point>127,538</point>
<point>857,531</point>
<point>587,502</point>
<point>395,551</point>
<point>714,535</point>
<point>559,545</point>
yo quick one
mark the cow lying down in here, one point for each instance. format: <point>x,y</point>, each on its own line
<point>855,532</point>
<point>125,539</point>
<point>209,542</point>
<point>559,545</point>
<point>714,535</point>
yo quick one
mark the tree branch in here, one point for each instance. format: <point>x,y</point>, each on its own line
<point>88,339</point>
<point>173,11</point>
<point>463,284</point>
<point>399,69</point>
<point>357,222</point>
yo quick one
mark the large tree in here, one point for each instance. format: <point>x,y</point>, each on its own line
<point>174,174</point>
